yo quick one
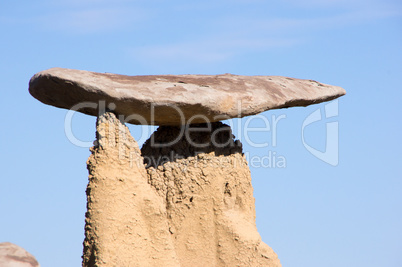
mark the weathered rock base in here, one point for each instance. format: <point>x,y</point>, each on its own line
<point>186,204</point>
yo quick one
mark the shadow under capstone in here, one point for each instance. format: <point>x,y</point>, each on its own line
<point>169,143</point>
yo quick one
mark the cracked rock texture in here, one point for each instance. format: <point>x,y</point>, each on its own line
<point>189,203</point>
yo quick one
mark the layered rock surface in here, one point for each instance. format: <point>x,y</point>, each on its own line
<point>175,99</point>
<point>12,255</point>
<point>188,203</point>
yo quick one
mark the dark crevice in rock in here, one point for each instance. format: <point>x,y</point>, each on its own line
<point>169,143</point>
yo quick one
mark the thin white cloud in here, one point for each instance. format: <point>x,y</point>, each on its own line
<point>211,51</point>
<point>91,20</point>
<point>227,37</point>
<point>322,3</point>
<point>340,4</point>
<point>86,3</point>
<point>81,16</point>
<point>287,26</point>
<point>180,53</point>
<point>233,36</point>
<point>359,15</point>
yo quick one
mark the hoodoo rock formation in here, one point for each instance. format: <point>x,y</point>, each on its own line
<point>185,198</point>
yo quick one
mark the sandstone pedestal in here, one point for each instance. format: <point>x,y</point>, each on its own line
<point>188,205</point>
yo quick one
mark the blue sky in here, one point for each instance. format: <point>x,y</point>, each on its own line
<point>310,213</point>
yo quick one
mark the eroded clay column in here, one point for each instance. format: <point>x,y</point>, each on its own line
<point>126,220</point>
<point>205,179</point>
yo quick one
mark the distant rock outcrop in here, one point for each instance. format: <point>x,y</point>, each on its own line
<point>12,255</point>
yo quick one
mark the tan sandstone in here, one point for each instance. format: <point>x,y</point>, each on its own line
<point>126,221</point>
<point>188,206</point>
